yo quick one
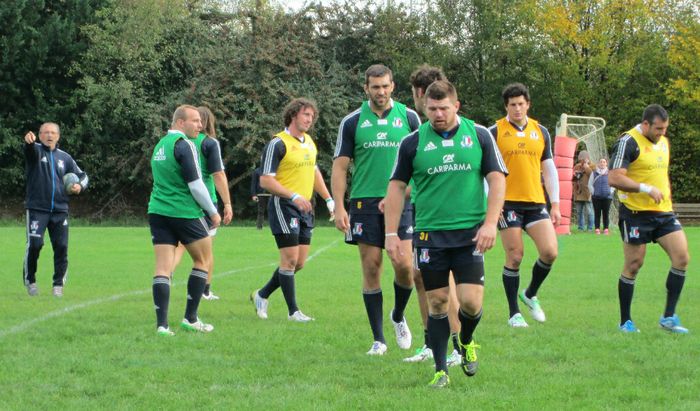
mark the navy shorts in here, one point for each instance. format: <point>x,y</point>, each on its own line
<point>521,217</point>
<point>367,225</point>
<point>290,226</point>
<point>173,230</point>
<point>646,227</point>
<point>435,265</point>
<point>210,225</point>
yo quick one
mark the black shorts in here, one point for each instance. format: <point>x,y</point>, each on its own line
<point>290,226</point>
<point>367,225</point>
<point>514,216</point>
<point>173,230</point>
<point>646,227</point>
<point>435,264</point>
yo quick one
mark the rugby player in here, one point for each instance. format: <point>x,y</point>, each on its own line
<point>214,177</point>
<point>639,170</point>
<point>420,79</point>
<point>448,159</point>
<point>290,174</point>
<point>526,149</point>
<point>175,215</point>
<point>369,138</point>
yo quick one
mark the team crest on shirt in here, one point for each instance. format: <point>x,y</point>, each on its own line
<point>533,135</point>
<point>60,164</point>
<point>634,232</point>
<point>424,255</point>
<point>511,216</point>
<point>294,222</point>
<point>366,124</point>
<point>357,229</point>
<point>467,142</point>
<point>397,123</point>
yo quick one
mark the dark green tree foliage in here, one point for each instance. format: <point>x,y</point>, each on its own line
<point>112,71</point>
<point>265,59</point>
<point>39,42</point>
<point>142,56</point>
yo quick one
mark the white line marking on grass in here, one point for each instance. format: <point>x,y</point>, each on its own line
<point>53,314</point>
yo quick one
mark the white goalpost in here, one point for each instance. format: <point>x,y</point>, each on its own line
<point>589,131</point>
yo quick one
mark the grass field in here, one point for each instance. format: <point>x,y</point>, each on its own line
<point>96,347</point>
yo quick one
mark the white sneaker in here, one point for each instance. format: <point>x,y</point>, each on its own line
<point>57,291</point>
<point>260,304</point>
<point>299,317</point>
<point>378,348</point>
<point>423,353</point>
<point>164,331</point>
<point>534,305</point>
<point>197,326</point>
<point>403,334</point>
<point>454,359</point>
<point>517,321</point>
<point>210,296</point>
<point>32,289</point>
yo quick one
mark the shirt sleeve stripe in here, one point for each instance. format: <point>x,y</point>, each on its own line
<point>414,114</point>
<point>493,130</point>
<point>267,165</point>
<point>218,152</point>
<point>548,143</point>
<point>339,140</point>
<point>195,156</point>
<point>499,158</point>
<point>620,154</point>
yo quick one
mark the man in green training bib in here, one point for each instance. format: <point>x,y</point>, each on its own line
<point>369,137</point>
<point>448,159</point>
<point>175,215</point>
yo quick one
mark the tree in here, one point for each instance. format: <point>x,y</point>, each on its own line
<point>39,41</point>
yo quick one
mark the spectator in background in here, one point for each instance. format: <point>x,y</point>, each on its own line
<point>582,196</point>
<point>601,195</point>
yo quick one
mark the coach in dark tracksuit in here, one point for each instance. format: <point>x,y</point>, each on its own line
<point>47,203</point>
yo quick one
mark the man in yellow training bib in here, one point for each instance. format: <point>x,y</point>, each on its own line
<point>639,171</point>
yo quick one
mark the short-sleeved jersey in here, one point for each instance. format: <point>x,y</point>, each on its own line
<point>372,142</point>
<point>210,161</point>
<point>171,196</point>
<point>448,171</point>
<point>523,150</point>
<point>646,162</point>
<point>292,162</point>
